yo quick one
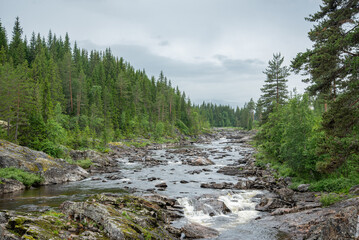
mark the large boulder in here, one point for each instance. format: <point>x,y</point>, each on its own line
<point>101,162</point>
<point>195,231</point>
<point>214,185</point>
<point>10,185</point>
<point>200,161</point>
<point>53,170</point>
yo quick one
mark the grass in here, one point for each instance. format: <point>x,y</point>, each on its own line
<point>330,198</point>
<point>84,163</point>
<point>28,179</point>
<point>53,214</point>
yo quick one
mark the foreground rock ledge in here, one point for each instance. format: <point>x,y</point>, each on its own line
<point>104,216</point>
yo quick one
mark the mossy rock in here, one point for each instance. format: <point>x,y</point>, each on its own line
<point>125,217</point>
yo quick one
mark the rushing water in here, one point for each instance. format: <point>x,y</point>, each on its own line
<point>141,179</point>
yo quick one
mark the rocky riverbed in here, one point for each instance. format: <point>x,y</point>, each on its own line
<point>211,189</point>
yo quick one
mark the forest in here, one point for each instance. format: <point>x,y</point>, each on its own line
<point>55,97</point>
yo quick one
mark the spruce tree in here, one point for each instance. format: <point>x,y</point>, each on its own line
<point>17,46</point>
<point>3,38</point>
<point>275,88</point>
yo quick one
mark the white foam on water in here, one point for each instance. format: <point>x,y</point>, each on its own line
<point>191,214</point>
<point>241,205</point>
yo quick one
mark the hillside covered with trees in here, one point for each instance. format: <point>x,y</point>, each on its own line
<point>55,95</point>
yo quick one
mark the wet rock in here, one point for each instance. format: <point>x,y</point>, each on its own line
<point>285,194</point>
<point>213,185</point>
<point>10,185</point>
<point>194,172</point>
<point>96,178</point>
<point>210,205</point>
<point>200,161</point>
<point>152,179</point>
<point>229,170</point>
<point>161,185</point>
<point>269,204</point>
<point>195,231</point>
<point>114,177</point>
<point>303,187</point>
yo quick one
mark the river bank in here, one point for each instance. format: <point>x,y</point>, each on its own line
<point>212,186</point>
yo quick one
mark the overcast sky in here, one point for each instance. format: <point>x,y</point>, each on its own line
<point>214,50</point>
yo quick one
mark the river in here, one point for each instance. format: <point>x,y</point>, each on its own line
<point>235,219</point>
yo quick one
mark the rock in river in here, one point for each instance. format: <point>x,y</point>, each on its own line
<point>10,185</point>
<point>200,161</point>
<point>195,230</point>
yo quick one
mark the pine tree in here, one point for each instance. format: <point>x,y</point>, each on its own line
<point>275,88</point>
<point>332,66</point>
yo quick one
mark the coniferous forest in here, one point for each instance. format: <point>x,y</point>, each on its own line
<point>55,95</point>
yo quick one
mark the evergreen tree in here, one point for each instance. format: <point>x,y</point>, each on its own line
<point>3,39</point>
<point>275,88</point>
<point>332,66</point>
<point>17,46</point>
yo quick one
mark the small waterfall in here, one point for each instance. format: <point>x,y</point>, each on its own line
<point>192,215</point>
<point>241,205</point>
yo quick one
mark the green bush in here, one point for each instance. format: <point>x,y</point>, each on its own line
<point>182,127</point>
<point>85,163</point>
<point>160,128</point>
<point>330,198</point>
<point>28,179</point>
<point>333,185</point>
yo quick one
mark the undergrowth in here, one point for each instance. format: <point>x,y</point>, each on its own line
<point>28,179</point>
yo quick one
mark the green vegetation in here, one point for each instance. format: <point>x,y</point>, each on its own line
<point>55,96</point>
<point>84,163</point>
<point>28,179</point>
<point>314,137</point>
<point>330,198</point>
<point>226,116</point>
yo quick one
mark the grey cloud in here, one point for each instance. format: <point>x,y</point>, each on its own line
<point>164,43</point>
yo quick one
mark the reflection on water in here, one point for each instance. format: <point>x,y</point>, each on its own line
<point>50,196</point>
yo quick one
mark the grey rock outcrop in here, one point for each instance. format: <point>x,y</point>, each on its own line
<point>10,185</point>
<point>53,170</point>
